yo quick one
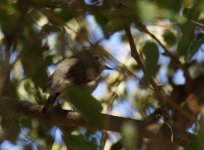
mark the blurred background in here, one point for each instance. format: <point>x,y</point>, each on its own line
<point>36,34</point>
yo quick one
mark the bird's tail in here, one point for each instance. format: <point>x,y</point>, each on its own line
<point>50,102</point>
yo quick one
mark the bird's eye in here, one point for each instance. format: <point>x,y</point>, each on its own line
<point>96,57</point>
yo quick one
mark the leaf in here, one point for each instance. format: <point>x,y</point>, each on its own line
<point>33,62</point>
<point>109,25</point>
<point>195,45</point>
<point>151,54</point>
<point>144,7</point>
<point>129,137</point>
<point>169,38</point>
<point>66,14</point>
<point>102,20</point>
<point>25,122</point>
<point>188,30</point>
<point>86,104</point>
<point>185,42</point>
<point>197,142</point>
<point>174,5</point>
<point>8,18</point>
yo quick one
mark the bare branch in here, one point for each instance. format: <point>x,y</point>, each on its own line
<point>157,89</point>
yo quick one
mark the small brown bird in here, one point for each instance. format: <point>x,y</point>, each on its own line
<point>82,69</point>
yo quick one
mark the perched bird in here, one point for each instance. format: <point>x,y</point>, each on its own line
<point>82,69</point>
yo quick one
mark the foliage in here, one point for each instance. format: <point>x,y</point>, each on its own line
<point>36,34</point>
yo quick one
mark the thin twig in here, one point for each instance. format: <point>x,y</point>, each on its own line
<point>157,89</point>
<point>198,24</point>
<point>103,140</point>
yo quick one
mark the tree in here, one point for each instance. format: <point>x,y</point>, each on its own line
<point>159,73</point>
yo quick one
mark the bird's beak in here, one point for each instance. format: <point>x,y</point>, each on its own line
<point>108,68</point>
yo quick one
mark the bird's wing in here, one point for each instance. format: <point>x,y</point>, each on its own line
<point>58,81</point>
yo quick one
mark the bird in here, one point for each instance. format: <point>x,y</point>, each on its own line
<point>82,69</point>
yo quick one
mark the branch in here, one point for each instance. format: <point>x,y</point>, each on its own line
<point>198,24</point>
<point>9,41</point>
<point>178,134</point>
<point>68,118</point>
<point>175,60</point>
<point>157,90</point>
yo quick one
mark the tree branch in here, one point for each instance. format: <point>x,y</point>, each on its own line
<point>68,118</point>
<point>157,90</point>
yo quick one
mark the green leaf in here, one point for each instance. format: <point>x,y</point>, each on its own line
<point>147,6</point>
<point>188,30</point>
<point>33,62</point>
<point>188,3</point>
<point>169,38</point>
<point>102,20</point>
<point>66,14</point>
<point>197,142</point>
<point>109,25</point>
<point>174,5</point>
<point>8,18</point>
<point>187,36</point>
<point>129,136</point>
<point>86,104</point>
<point>195,45</point>
<point>25,122</point>
<point>151,54</point>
